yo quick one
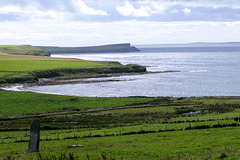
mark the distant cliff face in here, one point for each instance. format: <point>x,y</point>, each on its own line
<point>124,47</point>
<point>24,50</point>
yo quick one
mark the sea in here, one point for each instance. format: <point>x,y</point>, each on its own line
<point>206,73</point>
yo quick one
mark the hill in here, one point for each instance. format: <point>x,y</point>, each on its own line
<point>124,47</point>
<point>23,50</point>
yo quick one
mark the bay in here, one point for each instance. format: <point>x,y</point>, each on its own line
<point>201,74</point>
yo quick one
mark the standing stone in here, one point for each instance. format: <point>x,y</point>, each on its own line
<point>34,136</point>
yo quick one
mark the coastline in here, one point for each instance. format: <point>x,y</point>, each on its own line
<point>74,80</point>
<point>82,79</point>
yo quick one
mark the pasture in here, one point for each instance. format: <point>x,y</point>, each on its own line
<point>121,128</point>
<point>31,65</point>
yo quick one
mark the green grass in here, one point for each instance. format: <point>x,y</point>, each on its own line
<point>5,73</point>
<point>28,68</point>
<point>21,65</point>
<point>112,118</point>
<point>9,46</point>
<point>27,102</point>
<point>195,144</point>
<point>3,53</point>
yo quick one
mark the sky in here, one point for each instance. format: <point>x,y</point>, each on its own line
<point>99,22</point>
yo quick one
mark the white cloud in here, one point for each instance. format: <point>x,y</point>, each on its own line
<point>154,7</point>
<point>158,8</point>
<point>84,9</point>
<point>10,9</point>
<point>186,11</point>
<point>235,4</point>
<point>146,9</point>
<point>47,32</point>
<point>34,10</point>
<point>175,11</point>
<point>129,10</point>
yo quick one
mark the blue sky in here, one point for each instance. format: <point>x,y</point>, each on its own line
<point>96,22</point>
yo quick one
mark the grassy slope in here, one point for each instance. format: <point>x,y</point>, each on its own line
<point>29,65</point>
<point>14,63</point>
<point>27,102</point>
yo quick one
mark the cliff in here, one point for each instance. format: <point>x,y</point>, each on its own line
<point>124,47</point>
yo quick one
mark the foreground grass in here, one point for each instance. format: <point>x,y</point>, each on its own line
<point>197,144</point>
<point>121,128</point>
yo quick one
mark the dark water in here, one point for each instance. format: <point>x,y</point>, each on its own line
<point>202,74</point>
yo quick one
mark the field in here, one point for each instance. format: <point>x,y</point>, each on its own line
<point>19,63</point>
<point>121,128</point>
<point>15,64</point>
<point>23,102</point>
<point>29,65</point>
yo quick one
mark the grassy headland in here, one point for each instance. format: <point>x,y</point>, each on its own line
<point>18,68</point>
<point>124,47</point>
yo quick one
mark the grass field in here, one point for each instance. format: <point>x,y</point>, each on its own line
<point>23,102</point>
<point>39,58</point>
<point>220,143</point>
<point>14,68</point>
<point>29,65</point>
<point>121,128</point>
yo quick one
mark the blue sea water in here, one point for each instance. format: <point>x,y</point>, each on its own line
<point>202,74</point>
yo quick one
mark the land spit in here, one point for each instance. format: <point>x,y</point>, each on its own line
<point>76,80</point>
<point>87,79</point>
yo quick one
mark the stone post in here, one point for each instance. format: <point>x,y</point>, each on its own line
<point>34,136</point>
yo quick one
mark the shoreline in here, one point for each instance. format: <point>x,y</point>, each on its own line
<point>74,80</point>
<point>82,79</point>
